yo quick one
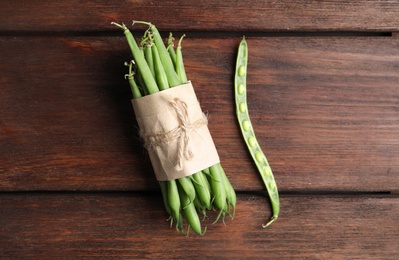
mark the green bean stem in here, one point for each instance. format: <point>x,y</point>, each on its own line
<point>171,49</point>
<point>133,86</point>
<point>248,132</point>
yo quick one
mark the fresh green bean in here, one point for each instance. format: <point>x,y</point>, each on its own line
<point>149,57</point>
<point>200,207</point>
<point>248,131</point>
<point>188,188</point>
<point>160,74</point>
<point>174,203</point>
<point>138,55</point>
<point>140,79</point>
<point>181,72</point>
<point>190,212</point>
<point>202,187</point>
<point>133,86</point>
<point>164,190</point>
<point>168,65</point>
<point>230,193</point>
<point>171,49</point>
<point>141,83</point>
<point>218,191</point>
<point>206,171</point>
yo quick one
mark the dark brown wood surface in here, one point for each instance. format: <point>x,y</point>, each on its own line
<point>324,109</point>
<point>134,226</point>
<point>323,94</point>
<point>200,15</point>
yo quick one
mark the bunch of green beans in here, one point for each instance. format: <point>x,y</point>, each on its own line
<point>157,66</point>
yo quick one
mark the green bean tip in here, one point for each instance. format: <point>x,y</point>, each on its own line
<point>271,221</point>
<point>180,40</point>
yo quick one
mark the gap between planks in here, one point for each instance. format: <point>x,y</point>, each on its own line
<point>157,193</point>
<point>202,34</point>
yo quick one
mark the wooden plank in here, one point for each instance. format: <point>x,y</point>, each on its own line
<point>194,15</point>
<point>133,226</point>
<point>325,111</point>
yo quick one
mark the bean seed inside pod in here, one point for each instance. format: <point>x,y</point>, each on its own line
<point>243,107</point>
<point>252,141</point>
<point>241,89</point>
<point>241,71</point>
<point>246,125</point>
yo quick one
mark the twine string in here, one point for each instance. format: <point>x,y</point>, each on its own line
<point>181,133</point>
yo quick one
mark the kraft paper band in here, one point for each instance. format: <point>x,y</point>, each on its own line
<point>175,132</point>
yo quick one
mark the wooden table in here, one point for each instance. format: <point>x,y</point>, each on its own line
<point>323,89</point>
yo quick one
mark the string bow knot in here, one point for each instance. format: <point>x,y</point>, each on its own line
<point>181,133</point>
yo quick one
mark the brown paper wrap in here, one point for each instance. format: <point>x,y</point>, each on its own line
<point>175,132</point>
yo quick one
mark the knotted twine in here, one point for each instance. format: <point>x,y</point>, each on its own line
<point>175,132</point>
<point>180,133</point>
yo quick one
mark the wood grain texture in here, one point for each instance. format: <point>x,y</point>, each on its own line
<point>75,181</point>
<point>324,109</point>
<point>202,15</point>
<point>49,226</point>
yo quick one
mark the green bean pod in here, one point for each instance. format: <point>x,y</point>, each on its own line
<point>202,189</point>
<point>132,83</point>
<point>230,193</point>
<point>149,57</point>
<point>174,203</point>
<point>167,63</point>
<point>171,49</point>
<point>160,74</point>
<point>171,74</point>
<point>141,63</point>
<point>140,79</point>
<point>181,72</point>
<point>190,212</point>
<point>200,207</point>
<point>248,131</point>
<point>188,188</point>
<point>141,84</point>
<point>164,191</point>
<point>218,191</point>
<point>206,171</point>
